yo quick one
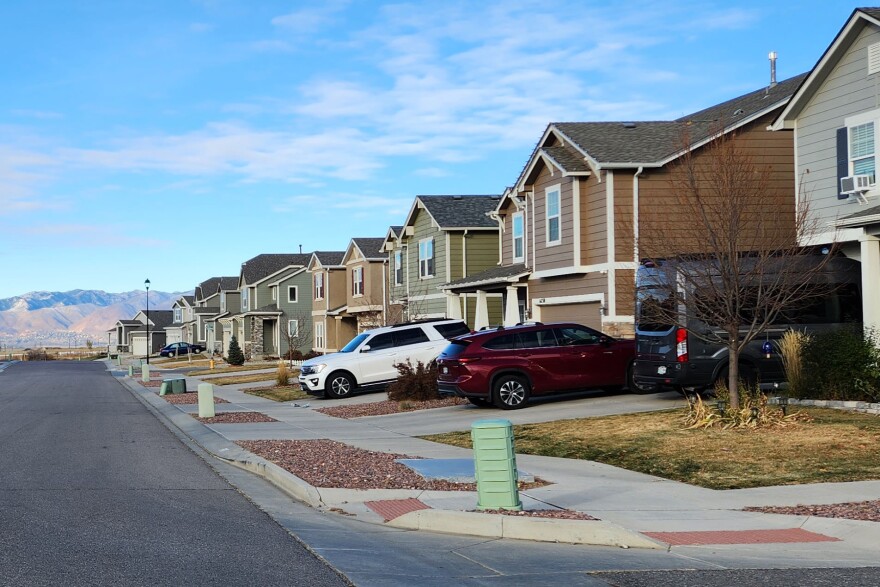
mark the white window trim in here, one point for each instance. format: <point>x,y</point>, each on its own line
<point>274,293</point>
<point>858,120</point>
<point>522,237</point>
<point>223,301</point>
<point>558,189</point>
<point>358,282</point>
<point>319,335</point>
<point>295,288</point>
<point>178,315</point>
<point>295,330</point>
<point>426,274</point>
<point>245,301</point>
<point>319,292</point>
<point>398,267</point>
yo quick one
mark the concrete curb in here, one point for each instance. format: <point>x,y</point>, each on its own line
<point>587,532</point>
<point>595,533</point>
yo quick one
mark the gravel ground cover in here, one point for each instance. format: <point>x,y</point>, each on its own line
<point>236,418</point>
<point>555,514</point>
<point>866,511</point>
<point>188,398</point>
<point>382,408</point>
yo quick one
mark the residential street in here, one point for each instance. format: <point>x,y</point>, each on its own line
<point>97,491</point>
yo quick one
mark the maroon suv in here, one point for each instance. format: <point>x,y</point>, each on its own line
<point>506,366</point>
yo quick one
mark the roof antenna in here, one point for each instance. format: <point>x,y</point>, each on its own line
<point>772,69</point>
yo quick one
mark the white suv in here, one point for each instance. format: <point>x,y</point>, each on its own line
<point>368,360</point>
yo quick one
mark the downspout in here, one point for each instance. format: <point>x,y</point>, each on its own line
<point>636,214</point>
<point>464,269</point>
<point>386,273</point>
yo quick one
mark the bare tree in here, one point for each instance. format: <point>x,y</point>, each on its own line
<point>297,336</point>
<point>730,242</point>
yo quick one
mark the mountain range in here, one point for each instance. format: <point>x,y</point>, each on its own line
<point>70,318</point>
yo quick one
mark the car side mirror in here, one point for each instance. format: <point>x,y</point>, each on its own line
<point>605,340</point>
<point>365,348</point>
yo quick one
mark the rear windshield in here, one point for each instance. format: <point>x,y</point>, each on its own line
<point>655,308</point>
<point>454,349</point>
<point>451,330</point>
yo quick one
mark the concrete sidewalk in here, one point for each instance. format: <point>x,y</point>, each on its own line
<point>633,509</point>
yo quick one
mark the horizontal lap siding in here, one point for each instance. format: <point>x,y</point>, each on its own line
<point>623,218</point>
<point>561,255</point>
<point>506,235</point>
<point>594,222</point>
<point>847,91</point>
<point>482,251</point>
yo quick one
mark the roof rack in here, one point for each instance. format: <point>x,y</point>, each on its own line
<point>422,321</point>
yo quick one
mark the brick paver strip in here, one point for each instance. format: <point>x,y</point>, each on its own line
<point>393,508</point>
<point>739,537</point>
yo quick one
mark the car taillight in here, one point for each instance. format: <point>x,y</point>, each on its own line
<point>681,345</point>
<point>466,360</point>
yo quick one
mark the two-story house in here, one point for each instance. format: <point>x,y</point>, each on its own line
<point>367,291</point>
<point>145,331</point>
<point>444,238</point>
<point>571,226</point>
<point>225,294</point>
<point>182,318</point>
<point>270,285</point>
<point>834,119</point>
<point>329,302</point>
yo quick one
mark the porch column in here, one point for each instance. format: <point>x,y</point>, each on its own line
<point>481,319</point>
<point>453,306</point>
<point>870,250</point>
<point>511,307</point>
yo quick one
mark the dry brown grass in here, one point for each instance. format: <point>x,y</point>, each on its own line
<point>236,379</point>
<point>284,393</point>
<point>223,368</point>
<point>836,446</point>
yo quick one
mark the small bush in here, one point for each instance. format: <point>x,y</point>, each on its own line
<point>235,356</point>
<point>417,383</point>
<point>282,376</point>
<point>841,364</point>
<point>294,355</point>
<point>38,355</point>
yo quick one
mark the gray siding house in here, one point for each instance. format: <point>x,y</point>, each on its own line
<point>834,118</point>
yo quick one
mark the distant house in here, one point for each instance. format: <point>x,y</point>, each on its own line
<point>265,285</point>
<point>179,329</point>
<point>834,119</point>
<point>131,335</point>
<point>222,292</point>
<point>444,238</point>
<point>329,301</point>
<point>571,225</point>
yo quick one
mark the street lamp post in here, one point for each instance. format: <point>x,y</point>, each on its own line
<point>147,285</point>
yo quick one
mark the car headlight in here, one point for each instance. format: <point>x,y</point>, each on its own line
<point>313,369</point>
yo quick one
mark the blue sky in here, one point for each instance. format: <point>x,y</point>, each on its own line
<point>172,140</point>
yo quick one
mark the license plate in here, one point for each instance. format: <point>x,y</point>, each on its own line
<point>444,370</point>
<point>661,370</point>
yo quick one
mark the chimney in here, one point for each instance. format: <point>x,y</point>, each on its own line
<point>772,68</point>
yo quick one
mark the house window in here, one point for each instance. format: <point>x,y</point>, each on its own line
<point>177,315</point>
<point>426,258</point>
<point>861,149</point>
<point>357,281</point>
<point>398,267</point>
<point>244,300</point>
<point>293,328</point>
<point>223,301</point>
<point>553,216</point>
<point>319,335</point>
<point>518,238</point>
<point>319,286</point>
<point>292,294</point>
<point>274,292</point>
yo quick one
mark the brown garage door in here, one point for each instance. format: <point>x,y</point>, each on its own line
<point>586,314</point>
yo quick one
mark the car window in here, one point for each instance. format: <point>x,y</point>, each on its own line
<point>503,342</point>
<point>574,335</point>
<point>381,341</point>
<point>409,336</point>
<point>452,330</point>
<point>535,339</point>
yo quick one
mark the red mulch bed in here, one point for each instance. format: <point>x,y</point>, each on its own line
<point>386,407</point>
<point>552,514</point>
<point>236,418</point>
<point>867,511</point>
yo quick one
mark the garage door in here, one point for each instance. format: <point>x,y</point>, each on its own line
<point>587,314</point>
<point>139,346</point>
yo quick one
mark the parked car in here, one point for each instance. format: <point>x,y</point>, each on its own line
<point>508,365</point>
<point>175,349</point>
<point>367,361</point>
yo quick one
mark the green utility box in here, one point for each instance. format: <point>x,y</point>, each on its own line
<point>495,465</point>
<point>173,386</point>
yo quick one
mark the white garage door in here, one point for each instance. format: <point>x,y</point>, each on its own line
<point>139,347</point>
<point>173,336</point>
<point>587,314</point>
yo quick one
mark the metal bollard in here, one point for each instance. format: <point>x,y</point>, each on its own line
<point>495,465</point>
<point>206,400</point>
<point>145,373</point>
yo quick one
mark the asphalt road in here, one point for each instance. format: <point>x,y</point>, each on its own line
<point>94,490</point>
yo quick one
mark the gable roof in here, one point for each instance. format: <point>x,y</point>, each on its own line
<point>655,143</point>
<point>262,266</point>
<point>393,235</point>
<point>327,258</point>
<point>371,247</point>
<point>457,212</point>
<point>161,318</point>
<point>207,288</point>
<point>228,283</point>
<point>859,18</point>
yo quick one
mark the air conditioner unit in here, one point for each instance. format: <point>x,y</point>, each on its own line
<point>852,184</point>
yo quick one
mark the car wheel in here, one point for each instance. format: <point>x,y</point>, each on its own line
<point>480,402</point>
<point>511,392</point>
<point>338,385</point>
